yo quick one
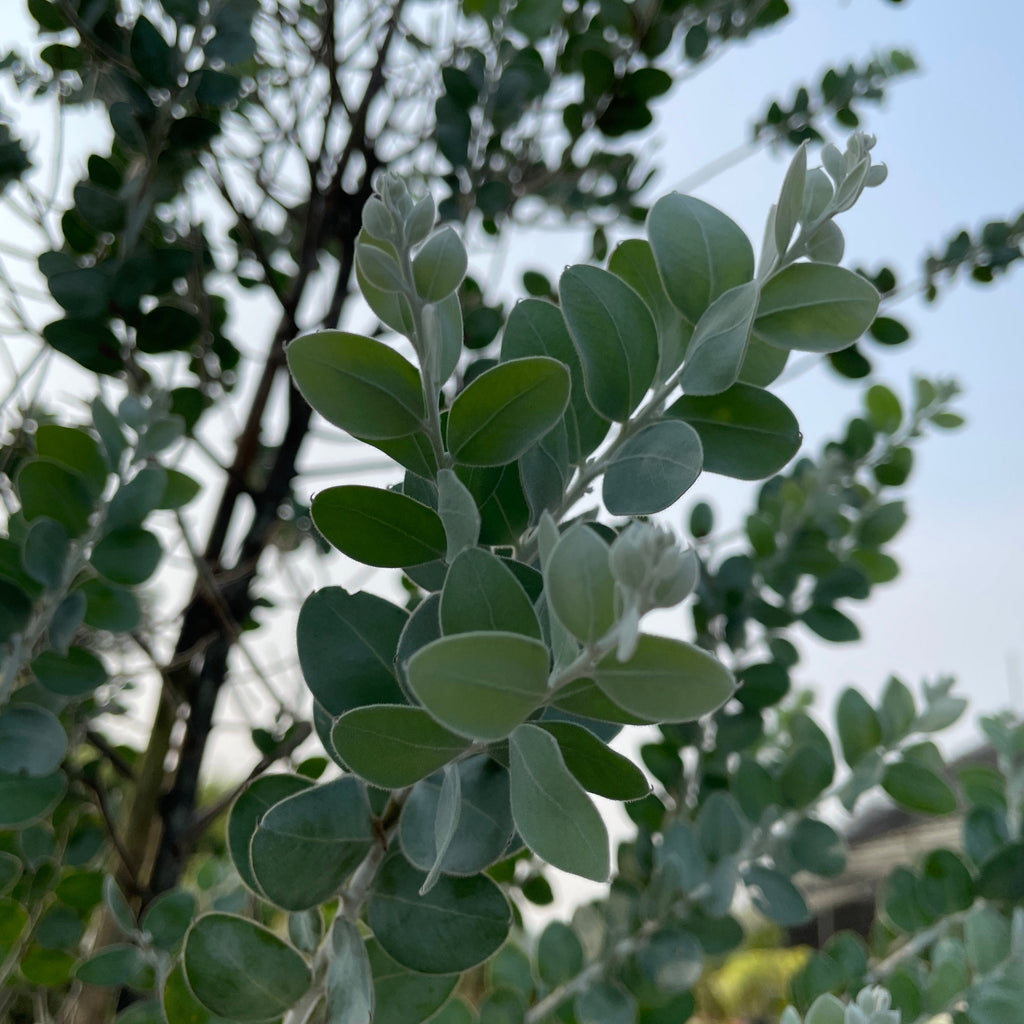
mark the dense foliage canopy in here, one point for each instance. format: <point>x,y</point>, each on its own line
<point>326,161</point>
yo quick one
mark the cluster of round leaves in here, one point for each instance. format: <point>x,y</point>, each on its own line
<point>818,537</point>
<point>74,554</point>
<point>490,122</point>
<point>839,92</point>
<point>131,282</point>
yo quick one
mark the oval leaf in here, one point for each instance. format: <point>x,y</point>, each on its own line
<point>815,307</point>
<point>480,685</point>
<point>666,680</point>
<point>919,788</point>
<point>633,261</point>
<point>358,384</point>
<point>579,585</point>
<point>394,745</point>
<point>745,432</point>
<point>701,253</point>
<point>307,845</point>
<point>552,812</point>
<point>481,594</point>
<point>377,527</point>
<point>439,267</point>
<point>597,767</point>
<point>455,926</point>
<point>259,796</point>
<point>347,644</point>
<point>32,741</point>
<point>537,328</point>
<point>506,410</point>
<point>485,826</point>
<point>401,995</point>
<point>240,970</point>
<point>615,336</point>
<point>653,469</point>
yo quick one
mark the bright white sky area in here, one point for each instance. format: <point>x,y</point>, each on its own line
<point>953,139</point>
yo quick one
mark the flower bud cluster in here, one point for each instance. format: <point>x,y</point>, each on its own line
<point>651,570</point>
<point>394,215</point>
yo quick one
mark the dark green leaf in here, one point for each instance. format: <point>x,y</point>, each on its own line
<point>246,813</point>
<point>83,293</point>
<point>167,329</point>
<point>537,328</point>
<point>377,527</point>
<point>653,469</point>
<point>559,954</point>
<point>480,594</point>
<point>45,552</point>
<point>919,788</point>
<point>402,995</point>
<point>241,970</point>
<point>804,774</point>
<point>946,884</point>
<point>815,307</point>
<point>88,342</point>
<point>110,607</point>
<point>168,917</point>
<point>506,410</point>
<point>597,768</point>
<point>115,965</point>
<point>128,556</point>
<point>49,489</point>
<point>358,384</point>
<point>347,644</point>
<point>15,609</point>
<point>23,800</point>
<point>831,624</point>
<point>817,847</point>
<point>745,432</point>
<point>32,741</point>
<point>156,61</point>
<point>615,336</point>
<point>633,261</point>
<point>308,844</point>
<point>74,449</point>
<point>859,729</point>
<point>776,896</point>
<point>455,926</point>
<point>393,745</point>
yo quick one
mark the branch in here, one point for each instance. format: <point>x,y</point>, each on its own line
<point>202,822</point>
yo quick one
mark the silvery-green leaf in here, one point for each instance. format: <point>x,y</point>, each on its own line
<point>719,343</point>
<point>458,512</point>
<point>350,990</point>
<point>791,199</point>
<point>449,807</point>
